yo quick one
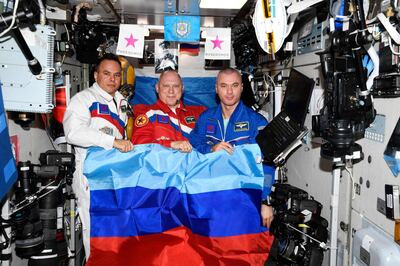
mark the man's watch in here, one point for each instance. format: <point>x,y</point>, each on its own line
<point>267,201</point>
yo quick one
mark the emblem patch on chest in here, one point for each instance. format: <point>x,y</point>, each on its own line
<point>210,129</point>
<point>103,109</point>
<point>163,119</point>
<point>241,126</point>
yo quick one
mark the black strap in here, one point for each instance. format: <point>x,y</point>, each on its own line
<point>116,105</point>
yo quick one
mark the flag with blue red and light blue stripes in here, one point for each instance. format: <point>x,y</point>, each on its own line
<point>156,206</point>
<point>8,170</point>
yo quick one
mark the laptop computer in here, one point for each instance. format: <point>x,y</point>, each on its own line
<point>288,126</point>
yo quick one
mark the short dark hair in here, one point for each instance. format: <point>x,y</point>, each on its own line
<point>229,70</point>
<point>108,56</point>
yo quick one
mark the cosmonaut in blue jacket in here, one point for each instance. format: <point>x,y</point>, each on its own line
<point>229,124</point>
<point>210,133</point>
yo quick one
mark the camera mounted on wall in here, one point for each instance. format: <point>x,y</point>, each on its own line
<point>37,213</point>
<point>91,38</point>
<point>348,109</point>
<point>300,231</point>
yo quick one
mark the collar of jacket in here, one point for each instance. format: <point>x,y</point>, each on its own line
<point>108,97</point>
<point>238,108</point>
<point>165,108</point>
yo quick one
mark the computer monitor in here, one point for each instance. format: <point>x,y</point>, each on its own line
<point>297,96</point>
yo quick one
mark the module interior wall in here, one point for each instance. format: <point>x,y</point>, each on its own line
<point>377,172</point>
<point>308,171</point>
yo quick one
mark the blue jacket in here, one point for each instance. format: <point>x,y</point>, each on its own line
<point>243,127</point>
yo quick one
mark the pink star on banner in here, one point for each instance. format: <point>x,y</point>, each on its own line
<point>217,43</point>
<point>131,41</point>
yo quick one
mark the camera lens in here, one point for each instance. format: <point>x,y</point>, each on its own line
<point>29,233</point>
<point>291,250</point>
<point>51,215</point>
<point>28,227</point>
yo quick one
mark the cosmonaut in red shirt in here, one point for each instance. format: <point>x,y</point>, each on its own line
<point>167,122</point>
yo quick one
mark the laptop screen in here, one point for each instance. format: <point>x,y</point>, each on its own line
<point>297,96</point>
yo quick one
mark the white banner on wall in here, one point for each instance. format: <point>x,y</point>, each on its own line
<point>218,44</point>
<point>131,40</point>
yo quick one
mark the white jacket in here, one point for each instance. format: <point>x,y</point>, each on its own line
<point>92,120</point>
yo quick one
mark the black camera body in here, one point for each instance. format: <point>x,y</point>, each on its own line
<point>63,161</point>
<point>244,44</point>
<point>39,223</point>
<point>27,227</point>
<point>296,223</point>
<point>348,108</point>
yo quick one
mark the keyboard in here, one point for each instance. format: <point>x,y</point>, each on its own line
<point>278,135</point>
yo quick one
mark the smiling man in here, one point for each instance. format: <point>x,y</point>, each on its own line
<point>96,117</point>
<point>167,122</point>
<point>229,124</point>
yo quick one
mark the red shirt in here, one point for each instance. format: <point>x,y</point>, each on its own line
<point>157,123</point>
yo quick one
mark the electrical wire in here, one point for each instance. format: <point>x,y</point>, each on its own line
<point>337,16</point>
<point>42,11</point>
<point>68,39</point>
<point>370,21</point>
<point>376,34</point>
<point>392,48</point>
<point>13,19</point>
<point>271,79</point>
<point>66,30</point>
<point>353,196</point>
<point>320,100</point>
<point>288,60</point>
<point>46,128</point>
<point>7,241</point>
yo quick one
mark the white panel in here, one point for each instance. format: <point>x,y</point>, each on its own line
<point>377,173</point>
<point>32,142</point>
<point>23,91</point>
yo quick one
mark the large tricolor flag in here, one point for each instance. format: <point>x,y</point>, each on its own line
<point>156,206</point>
<point>131,40</point>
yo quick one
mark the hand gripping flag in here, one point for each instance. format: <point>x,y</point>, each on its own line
<point>156,206</point>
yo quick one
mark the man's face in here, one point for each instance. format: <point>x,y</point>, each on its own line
<point>229,88</point>
<point>170,89</point>
<point>108,76</point>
